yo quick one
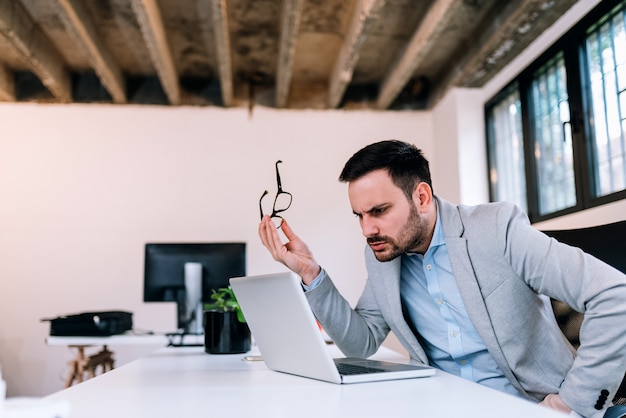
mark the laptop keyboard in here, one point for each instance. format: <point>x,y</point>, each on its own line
<point>347,369</point>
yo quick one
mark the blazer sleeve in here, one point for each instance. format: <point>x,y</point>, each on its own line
<point>357,332</point>
<point>588,285</point>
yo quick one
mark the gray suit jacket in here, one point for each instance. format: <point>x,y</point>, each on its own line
<point>506,271</point>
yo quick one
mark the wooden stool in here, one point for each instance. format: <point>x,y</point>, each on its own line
<point>81,364</point>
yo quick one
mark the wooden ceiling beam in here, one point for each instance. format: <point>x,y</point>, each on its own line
<point>29,40</point>
<point>79,25</point>
<point>289,29</point>
<point>221,35</point>
<point>153,30</point>
<point>424,37</point>
<point>7,84</point>
<point>367,12</point>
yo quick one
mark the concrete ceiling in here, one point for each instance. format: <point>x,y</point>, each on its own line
<point>298,54</point>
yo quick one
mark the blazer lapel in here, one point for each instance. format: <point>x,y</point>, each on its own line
<point>470,292</point>
<point>387,284</point>
<point>468,285</point>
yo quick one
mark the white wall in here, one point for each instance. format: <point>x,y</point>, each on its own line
<point>459,169</point>
<point>84,187</point>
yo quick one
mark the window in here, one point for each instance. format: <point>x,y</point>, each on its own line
<point>556,135</point>
<point>506,151</point>
<point>606,62</point>
<point>552,145</point>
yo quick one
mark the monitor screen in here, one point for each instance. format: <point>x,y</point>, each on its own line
<point>164,271</point>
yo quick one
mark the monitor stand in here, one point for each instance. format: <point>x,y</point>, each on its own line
<point>193,299</point>
<point>189,307</point>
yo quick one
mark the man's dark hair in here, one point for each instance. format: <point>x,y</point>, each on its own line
<point>404,162</point>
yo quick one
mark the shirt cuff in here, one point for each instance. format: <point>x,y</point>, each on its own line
<point>315,281</point>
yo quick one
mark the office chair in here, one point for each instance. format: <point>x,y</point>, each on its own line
<point>607,243</point>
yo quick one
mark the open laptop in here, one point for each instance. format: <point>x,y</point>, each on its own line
<point>290,341</point>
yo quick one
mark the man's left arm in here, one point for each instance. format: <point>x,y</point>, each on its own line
<point>592,287</point>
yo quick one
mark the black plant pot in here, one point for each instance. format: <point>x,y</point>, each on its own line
<point>224,334</point>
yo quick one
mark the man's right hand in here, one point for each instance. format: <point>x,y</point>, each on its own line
<point>294,254</point>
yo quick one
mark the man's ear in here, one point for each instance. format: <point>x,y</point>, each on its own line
<point>423,196</point>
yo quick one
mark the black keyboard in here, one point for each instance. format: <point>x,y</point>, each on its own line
<point>347,369</point>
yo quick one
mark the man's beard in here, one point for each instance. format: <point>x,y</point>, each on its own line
<point>412,234</point>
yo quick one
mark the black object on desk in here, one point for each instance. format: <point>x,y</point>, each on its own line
<point>91,324</point>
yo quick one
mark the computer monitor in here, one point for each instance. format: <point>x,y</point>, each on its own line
<point>164,273</point>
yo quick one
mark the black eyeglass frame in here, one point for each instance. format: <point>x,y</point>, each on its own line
<point>279,192</point>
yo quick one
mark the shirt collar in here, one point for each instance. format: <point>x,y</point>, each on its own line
<point>438,239</point>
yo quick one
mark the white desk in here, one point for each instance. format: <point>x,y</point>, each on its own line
<point>186,382</point>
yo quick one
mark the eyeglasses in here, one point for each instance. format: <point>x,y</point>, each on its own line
<point>282,201</point>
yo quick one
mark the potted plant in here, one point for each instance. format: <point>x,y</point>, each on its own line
<point>225,327</point>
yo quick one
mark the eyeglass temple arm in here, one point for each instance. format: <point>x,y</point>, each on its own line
<point>260,203</point>
<point>280,186</point>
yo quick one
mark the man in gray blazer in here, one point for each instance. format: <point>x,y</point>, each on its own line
<point>466,289</point>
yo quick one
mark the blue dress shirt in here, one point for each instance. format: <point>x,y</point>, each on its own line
<point>433,303</point>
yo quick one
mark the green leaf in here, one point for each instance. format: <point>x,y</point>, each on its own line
<point>240,316</point>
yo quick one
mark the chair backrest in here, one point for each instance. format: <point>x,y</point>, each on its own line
<point>606,242</point>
